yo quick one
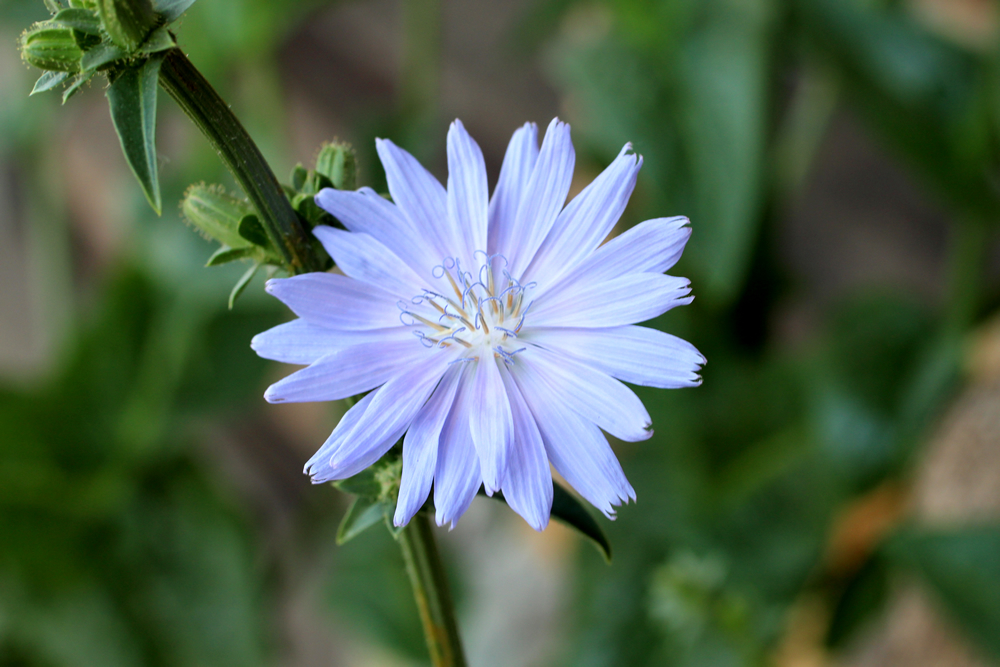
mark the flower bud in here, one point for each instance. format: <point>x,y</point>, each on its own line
<point>216,214</point>
<point>128,22</point>
<point>51,48</point>
<point>337,161</point>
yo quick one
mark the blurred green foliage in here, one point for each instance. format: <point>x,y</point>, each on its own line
<point>120,547</point>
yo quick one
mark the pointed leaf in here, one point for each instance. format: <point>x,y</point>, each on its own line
<point>364,513</point>
<point>961,566</point>
<point>363,484</point>
<point>241,284</point>
<point>74,87</point>
<point>132,97</point>
<point>79,19</point>
<point>158,40</point>
<point>101,57</point>
<point>251,229</point>
<point>225,255</point>
<point>567,509</point>
<point>48,81</point>
<point>171,10</point>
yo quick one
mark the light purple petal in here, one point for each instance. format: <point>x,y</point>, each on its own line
<point>354,446</point>
<point>336,302</point>
<point>419,196</point>
<point>543,198</point>
<point>318,461</point>
<point>596,396</point>
<point>528,485</point>
<point>576,448</point>
<point>625,300</point>
<point>364,258</point>
<point>367,212</point>
<point>518,163</point>
<point>420,448</point>
<point>587,220</point>
<point>468,193</point>
<point>639,355</point>
<point>457,478</point>
<point>653,246</point>
<point>298,342</point>
<point>490,421</point>
<point>349,371</point>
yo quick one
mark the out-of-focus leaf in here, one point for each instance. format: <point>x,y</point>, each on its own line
<point>724,106</point>
<point>363,513</point>
<point>48,81</point>
<point>961,566</point>
<point>132,97</point>
<point>859,600</point>
<point>918,91</point>
<point>241,284</point>
<point>171,10</point>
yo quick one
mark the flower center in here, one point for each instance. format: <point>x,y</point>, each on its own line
<point>479,312</point>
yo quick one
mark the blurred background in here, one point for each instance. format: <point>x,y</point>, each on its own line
<point>829,496</point>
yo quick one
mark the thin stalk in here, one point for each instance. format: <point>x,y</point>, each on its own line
<point>196,97</point>
<point>430,589</point>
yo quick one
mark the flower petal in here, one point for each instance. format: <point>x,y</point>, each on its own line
<point>360,442</point>
<point>420,197</point>
<point>468,192</point>
<point>457,478</point>
<point>298,342</point>
<point>490,421</point>
<point>367,212</point>
<point>518,163</point>
<point>639,355</point>
<point>625,300</point>
<point>576,448</point>
<point>337,302</point>
<point>653,246</point>
<point>543,198</point>
<point>350,371</point>
<point>587,220</point>
<point>420,448</point>
<point>596,396</point>
<point>527,487</point>
<point>362,257</point>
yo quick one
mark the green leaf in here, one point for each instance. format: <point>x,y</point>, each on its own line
<point>79,19</point>
<point>171,10</point>
<point>962,568</point>
<point>724,98</point>
<point>215,213</point>
<point>241,284</point>
<point>127,22</point>
<point>132,97</point>
<point>48,81</point>
<point>253,231</point>
<point>101,57</point>
<point>74,87</point>
<point>53,6</point>
<point>158,40</point>
<point>567,509</point>
<point>225,255</point>
<point>364,513</point>
<point>299,176</point>
<point>364,484</point>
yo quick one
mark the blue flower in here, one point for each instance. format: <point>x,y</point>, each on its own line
<point>492,333</point>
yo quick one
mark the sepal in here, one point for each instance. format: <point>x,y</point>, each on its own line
<point>377,489</point>
<point>51,47</point>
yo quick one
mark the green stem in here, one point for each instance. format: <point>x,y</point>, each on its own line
<point>196,97</point>
<point>430,588</point>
